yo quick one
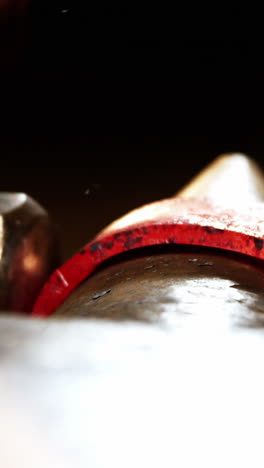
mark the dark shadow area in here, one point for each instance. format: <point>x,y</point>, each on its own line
<point>105,108</point>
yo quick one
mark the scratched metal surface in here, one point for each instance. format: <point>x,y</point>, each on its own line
<point>181,286</point>
<point>171,221</point>
<point>102,394</point>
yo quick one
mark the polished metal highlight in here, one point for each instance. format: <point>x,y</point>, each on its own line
<point>28,251</point>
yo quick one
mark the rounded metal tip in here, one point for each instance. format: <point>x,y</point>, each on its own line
<point>231,179</point>
<point>11,201</point>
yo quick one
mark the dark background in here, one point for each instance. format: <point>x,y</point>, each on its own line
<point>106,108</point>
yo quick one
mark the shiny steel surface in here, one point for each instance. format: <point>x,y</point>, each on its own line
<point>199,288</point>
<point>81,393</point>
<point>28,251</point>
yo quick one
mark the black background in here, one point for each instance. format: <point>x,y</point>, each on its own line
<point>106,108</point>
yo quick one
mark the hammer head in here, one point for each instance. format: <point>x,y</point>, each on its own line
<point>27,251</point>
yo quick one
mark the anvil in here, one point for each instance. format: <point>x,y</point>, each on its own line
<point>151,355</point>
<point>156,258</point>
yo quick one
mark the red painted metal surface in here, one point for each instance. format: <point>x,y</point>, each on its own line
<point>172,221</point>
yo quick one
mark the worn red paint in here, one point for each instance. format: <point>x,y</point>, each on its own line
<point>175,221</point>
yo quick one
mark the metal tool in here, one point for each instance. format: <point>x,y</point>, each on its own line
<point>181,386</point>
<point>28,251</point>
<point>222,209</point>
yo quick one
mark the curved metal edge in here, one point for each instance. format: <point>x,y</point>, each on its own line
<point>79,267</point>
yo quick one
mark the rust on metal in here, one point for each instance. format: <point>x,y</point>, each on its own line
<point>222,209</point>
